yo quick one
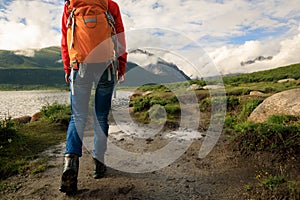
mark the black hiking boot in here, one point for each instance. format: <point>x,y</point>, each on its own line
<point>99,170</point>
<point>70,173</point>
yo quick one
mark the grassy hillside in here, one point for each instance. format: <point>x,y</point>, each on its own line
<point>44,58</point>
<point>45,69</point>
<point>273,75</point>
<point>263,81</point>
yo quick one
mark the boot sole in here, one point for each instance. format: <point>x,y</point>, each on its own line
<point>98,176</point>
<point>69,182</point>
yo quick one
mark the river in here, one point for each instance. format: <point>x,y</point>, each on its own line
<point>26,103</point>
<point>23,103</point>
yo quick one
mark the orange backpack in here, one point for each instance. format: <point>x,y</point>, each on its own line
<point>89,34</point>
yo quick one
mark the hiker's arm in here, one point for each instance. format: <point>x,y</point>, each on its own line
<point>115,12</point>
<point>64,45</point>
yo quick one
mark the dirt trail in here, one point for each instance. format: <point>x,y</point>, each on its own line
<point>218,176</point>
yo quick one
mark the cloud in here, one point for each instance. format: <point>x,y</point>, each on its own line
<point>29,24</point>
<point>284,51</point>
<point>199,18</point>
<point>230,31</point>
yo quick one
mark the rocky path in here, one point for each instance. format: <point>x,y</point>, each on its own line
<point>218,176</point>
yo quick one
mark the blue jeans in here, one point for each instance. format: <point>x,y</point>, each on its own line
<point>82,81</point>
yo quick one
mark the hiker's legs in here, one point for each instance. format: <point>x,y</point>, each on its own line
<point>80,94</point>
<point>103,95</point>
<point>79,107</point>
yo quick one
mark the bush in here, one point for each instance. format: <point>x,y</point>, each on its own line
<point>267,137</point>
<point>57,112</point>
<point>20,144</point>
<point>272,182</point>
<point>205,105</point>
<point>173,108</point>
<point>248,108</point>
<point>141,103</point>
<point>232,103</point>
<point>7,132</point>
<point>283,119</point>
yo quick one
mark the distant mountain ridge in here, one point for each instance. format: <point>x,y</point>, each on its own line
<point>159,66</point>
<point>49,57</point>
<point>13,62</point>
<point>43,67</point>
<point>259,58</point>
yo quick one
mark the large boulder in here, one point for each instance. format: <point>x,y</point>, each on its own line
<point>282,103</point>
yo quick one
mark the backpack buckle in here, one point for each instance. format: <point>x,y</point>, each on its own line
<point>75,65</point>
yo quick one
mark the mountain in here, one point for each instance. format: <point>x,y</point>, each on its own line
<point>157,65</point>
<point>150,69</point>
<point>31,58</point>
<point>44,67</point>
<point>259,58</point>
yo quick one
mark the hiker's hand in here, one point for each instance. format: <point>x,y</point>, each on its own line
<point>121,78</point>
<point>67,78</point>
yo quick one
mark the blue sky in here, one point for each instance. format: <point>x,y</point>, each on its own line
<point>229,31</point>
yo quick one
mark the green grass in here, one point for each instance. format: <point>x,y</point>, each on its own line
<point>151,106</point>
<point>278,186</point>
<point>264,87</point>
<point>278,136</point>
<point>57,113</point>
<point>273,75</point>
<point>264,81</point>
<point>43,58</point>
<point>248,108</point>
<point>31,140</point>
<point>21,145</point>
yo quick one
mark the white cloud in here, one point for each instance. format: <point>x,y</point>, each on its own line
<point>29,24</point>
<point>284,51</point>
<point>231,32</point>
<point>266,28</point>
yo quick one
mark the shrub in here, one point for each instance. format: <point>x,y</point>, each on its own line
<point>283,119</point>
<point>239,91</point>
<point>56,112</point>
<point>7,132</point>
<point>268,90</point>
<point>141,103</point>
<point>205,104</point>
<point>232,102</point>
<point>159,101</point>
<point>173,108</point>
<point>248,108</point>
<point>272,182</point>
<point>267,137</point>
